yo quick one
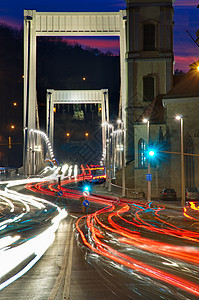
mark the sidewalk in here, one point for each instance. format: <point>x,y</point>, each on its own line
<point>102,190</point>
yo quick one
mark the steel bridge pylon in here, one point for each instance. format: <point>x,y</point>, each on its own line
<point>76,97</point>
<point>66,24</point>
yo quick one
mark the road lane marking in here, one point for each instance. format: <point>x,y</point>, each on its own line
<point>64,265</point>
<point>66,293</point>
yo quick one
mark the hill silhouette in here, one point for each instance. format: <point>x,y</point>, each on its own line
<point>60,65</point>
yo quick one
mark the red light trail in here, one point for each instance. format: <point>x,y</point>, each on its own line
<point>126,223</point>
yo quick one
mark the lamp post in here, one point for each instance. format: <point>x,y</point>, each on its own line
<point>113,152</point>
<point>123,158</point>
<point>110,127</point>
<point>148,164</point>
<point>105,155</point>
<point>179,117</point>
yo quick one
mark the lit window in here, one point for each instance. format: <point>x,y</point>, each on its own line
<point>141,153</point>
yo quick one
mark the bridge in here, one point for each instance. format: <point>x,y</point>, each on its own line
<point>65,24</point>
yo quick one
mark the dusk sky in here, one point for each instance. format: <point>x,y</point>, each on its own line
<point>186,16</point>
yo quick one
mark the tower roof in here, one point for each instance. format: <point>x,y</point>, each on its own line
<point>154,112</point>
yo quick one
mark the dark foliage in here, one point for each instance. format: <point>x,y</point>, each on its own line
<point>59,66</point>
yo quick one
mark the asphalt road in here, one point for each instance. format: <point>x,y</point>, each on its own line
<point>147,251</point>
<point>62,273</point>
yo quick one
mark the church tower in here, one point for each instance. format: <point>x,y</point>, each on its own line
<point>149,58</point>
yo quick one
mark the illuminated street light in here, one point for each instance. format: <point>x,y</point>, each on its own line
<point>86,134</point>
<point>110,133</point>
<point>67,134</point>
<point>179,117</point>
<point>104,124</point>
<point>145,120</point>
<point>12,127</point>
<point>119,121</point>
<point>120,146</point>
<point>15,104</point>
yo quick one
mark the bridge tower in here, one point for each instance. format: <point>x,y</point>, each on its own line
<point>65,24</point>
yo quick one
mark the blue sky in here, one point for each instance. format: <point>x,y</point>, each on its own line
<point>186,16</point>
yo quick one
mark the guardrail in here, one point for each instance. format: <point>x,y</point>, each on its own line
<point>130,193</point>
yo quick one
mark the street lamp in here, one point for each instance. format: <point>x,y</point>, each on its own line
<point>148,165</point>
<point>113,152</point>
<point>110,127</point>
<point>179,117</point>
<point>123,158</point>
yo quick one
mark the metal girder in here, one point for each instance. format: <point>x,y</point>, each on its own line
<point>74,97</point>
<point>78,23</point>
<point>66,24</point>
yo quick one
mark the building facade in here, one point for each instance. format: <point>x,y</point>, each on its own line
<point>149,58</point>
<point>157,95</point>
<point>150,61</point>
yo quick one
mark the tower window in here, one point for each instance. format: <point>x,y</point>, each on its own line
<point>149,37</point>
<point>148,88</point>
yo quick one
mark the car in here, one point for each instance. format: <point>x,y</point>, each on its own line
<point>191,194</point>
<point>168,194</point>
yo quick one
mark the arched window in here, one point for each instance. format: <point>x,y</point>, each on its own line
<point>189,163</point>
<point>149,37</point>
<point>148,88</point>
<point>141,153</point>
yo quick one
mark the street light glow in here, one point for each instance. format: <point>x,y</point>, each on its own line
<point>104,124</point>
<point>145,120</point>
<point>178,117</point>
<point>151,153</point>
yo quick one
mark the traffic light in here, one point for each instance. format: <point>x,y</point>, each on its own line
<point>86,188</point>
<point>151,153</point>
<point>152,156</point>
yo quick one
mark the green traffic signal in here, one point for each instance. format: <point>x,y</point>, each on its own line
<point>151,153</point>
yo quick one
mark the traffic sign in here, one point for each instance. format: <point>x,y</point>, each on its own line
<point>60,193</point>
<point>148,177</point>
<point>86,193</point>
<point>86,203</point>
